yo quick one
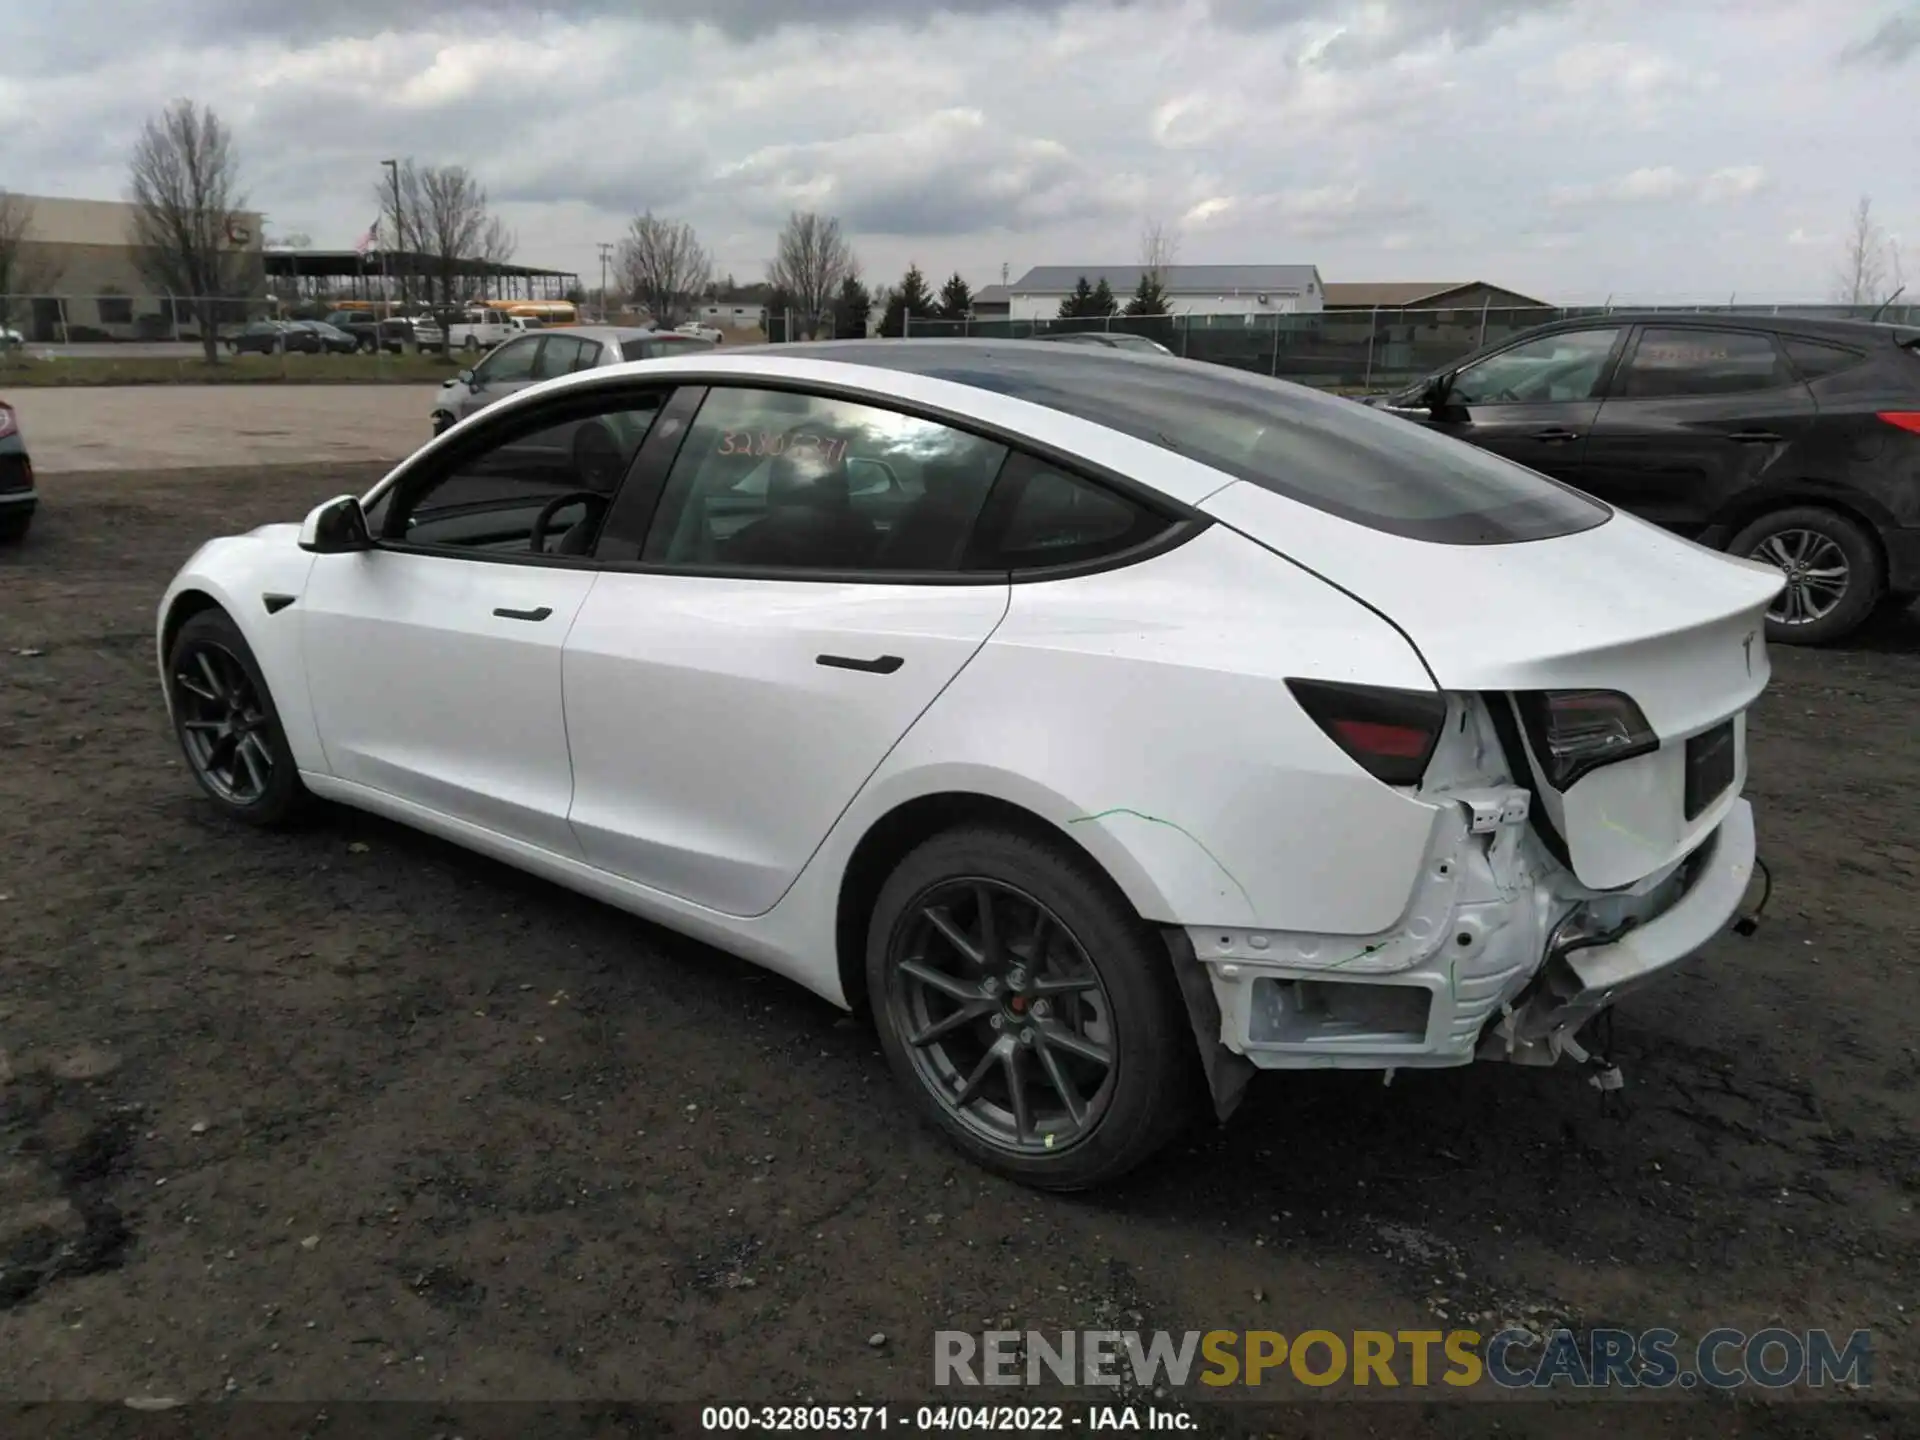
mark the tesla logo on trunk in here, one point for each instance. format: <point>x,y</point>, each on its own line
<point>1747,646</point>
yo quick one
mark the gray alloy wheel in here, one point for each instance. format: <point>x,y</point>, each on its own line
<point>1004,1015</point>
<point>227,726</point>
<point>1833,566</point>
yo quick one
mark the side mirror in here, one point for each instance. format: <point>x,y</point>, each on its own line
<point>465,377</point>
<point>1435,392</point>
<point>336,527</point>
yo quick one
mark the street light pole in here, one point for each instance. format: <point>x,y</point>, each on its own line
<point>393,170</point>
<point>606,250</point>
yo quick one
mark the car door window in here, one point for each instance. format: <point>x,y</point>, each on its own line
<point>541,485</point>
<point>1678,362</point>
<point>1053,518</point>
<point>776,480</point>
<point>559,356</point>
<point>1560,367</point>
<point>589,355</point>
<point>513,361</point>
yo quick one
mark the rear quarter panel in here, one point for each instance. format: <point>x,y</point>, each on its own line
<point>1144,711</point>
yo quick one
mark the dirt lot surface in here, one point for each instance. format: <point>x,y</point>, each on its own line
<point>352,1115</point>
<point>168,427</point>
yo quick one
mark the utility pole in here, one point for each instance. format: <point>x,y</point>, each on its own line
<point>393,170</point>
<point>606,253</point>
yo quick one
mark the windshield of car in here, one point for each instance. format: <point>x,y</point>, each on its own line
<point>1361,464</point>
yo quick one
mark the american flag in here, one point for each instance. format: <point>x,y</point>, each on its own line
<point>367,241</point>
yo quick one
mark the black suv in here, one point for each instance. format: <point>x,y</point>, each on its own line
<point>1796,442</point>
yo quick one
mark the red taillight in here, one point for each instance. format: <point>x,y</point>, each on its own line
<point>1905,419</point>
<point>7,423</point>
<point>1389,733</point>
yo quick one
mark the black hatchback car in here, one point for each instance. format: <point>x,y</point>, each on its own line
<point>1795,442</point>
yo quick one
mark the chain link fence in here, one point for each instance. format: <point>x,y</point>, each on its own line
<point>1358,350</point>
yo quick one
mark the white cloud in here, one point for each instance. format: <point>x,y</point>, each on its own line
<point>1734,182</point>
<point>1636,187</point>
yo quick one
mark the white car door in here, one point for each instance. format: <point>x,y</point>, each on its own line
<point>434,659</point>
<point>795,605</point>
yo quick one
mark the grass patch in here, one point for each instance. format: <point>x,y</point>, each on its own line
<point>28,372</point>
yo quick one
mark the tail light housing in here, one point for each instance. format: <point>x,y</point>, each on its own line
<point>1575,732</point>
<point>1389,733</point>
<point>7,423</point>
<point>1903,419</point>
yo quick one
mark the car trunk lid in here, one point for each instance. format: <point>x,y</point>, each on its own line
<point>1622,607</point>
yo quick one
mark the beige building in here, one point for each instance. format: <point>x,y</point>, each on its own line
<point>77,273</point>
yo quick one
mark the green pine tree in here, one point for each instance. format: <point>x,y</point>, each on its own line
<point>1148,296</point>
<point>1080,303</point>
<point>851,310</point>
<point>1102,302</point>
<point>956,299</point>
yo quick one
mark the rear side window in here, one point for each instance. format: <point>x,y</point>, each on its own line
<point>1052,518</point>
<point>1363,465</point>
<point>1816,361</point>
<point>1678,363</point>
<point>655,346</point>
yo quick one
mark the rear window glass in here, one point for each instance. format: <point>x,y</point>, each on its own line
<point>1814,360</point>
<point>654,346</point>
<point>1363,465</point>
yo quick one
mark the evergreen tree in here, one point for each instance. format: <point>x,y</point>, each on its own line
<point>1148,297</point>
<point>956,299</point>
<point>911,301</point>
<point>1079,304</point>
<point>851,310</point>
<point>1102,301</point>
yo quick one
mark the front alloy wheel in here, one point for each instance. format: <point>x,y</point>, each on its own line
<point>1004,1015</point>
<point>227,726</point>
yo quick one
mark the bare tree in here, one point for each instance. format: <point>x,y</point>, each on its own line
<point>1159,250</point>
<point>185,184</point>
<point>1867,262</point>
<point>25,269</point>
<point>662,265</point>
<point>441,214</point>
<point>812,262</point>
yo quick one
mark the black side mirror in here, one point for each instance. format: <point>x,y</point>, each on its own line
<point>1436,392</point>
<point>336,527</point>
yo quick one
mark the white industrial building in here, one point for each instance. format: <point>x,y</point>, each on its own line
<point>1189,289</point>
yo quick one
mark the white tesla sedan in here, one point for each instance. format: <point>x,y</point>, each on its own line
<point>1111,726</point>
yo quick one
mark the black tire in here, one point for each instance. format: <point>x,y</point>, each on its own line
<point>14,524</point>
<point>1863,584</point>
<point>470,344</point>
<point>442,423</point>
<point>1145,1094</point>
<point>282,799</point>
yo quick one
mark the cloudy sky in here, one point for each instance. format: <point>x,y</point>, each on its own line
<point>1569,148</point>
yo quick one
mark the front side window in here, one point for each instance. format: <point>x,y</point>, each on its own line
<point>1551,368</point>
<point>512,361</point>
<point>541,487</point>
<point>771,479</point>
<point>1676,363</point>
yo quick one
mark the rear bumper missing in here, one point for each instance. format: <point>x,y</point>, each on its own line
<point>1575,985</point>
<point>1481,967</point>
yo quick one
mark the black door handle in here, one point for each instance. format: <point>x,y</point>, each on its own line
<point>1754,437</point>
<point>882,665</point>
<point>540,614</point>
<point>1556,437</point>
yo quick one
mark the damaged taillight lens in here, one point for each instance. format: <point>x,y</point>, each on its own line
<point>1389,733</point>
<point>1574,732</point>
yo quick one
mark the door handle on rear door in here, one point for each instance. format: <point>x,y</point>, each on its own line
<point>880,665</point>
<point>540,614</point>
<point>1555,436</point>
<point>1753,437</point>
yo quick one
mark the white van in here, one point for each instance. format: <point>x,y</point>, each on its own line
<point>480,328</point>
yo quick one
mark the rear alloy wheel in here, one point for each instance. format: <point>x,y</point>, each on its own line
<point>1033,1014</point>
<point>227,726</point>
<point>1835,576</point>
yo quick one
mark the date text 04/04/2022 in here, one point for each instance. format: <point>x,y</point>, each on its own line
<point>938,1419</point>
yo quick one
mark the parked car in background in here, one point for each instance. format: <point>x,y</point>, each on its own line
<point>477,328</point>
<point>1110,339</point>
<point>700,331</point>
<point>18,498</point>
<point>274,337</point>
<point>427,334</point>
<point>544,354</point>
<point>1103,726</point>
<point>363,325</point>
<point>333,340</point>
<point>1793,442</point>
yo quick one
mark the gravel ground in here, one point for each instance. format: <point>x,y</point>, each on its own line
<point>352,1115</point>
